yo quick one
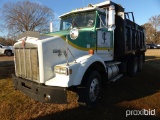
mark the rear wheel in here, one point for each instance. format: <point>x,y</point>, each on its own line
<point>132,66</point>
<point>140,62</point>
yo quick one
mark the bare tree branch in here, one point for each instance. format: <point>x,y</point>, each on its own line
<point>153,29</point>
<point>155,22</point>
<point>26,16</point>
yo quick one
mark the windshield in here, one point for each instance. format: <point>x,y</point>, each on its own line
<point>78,20</point>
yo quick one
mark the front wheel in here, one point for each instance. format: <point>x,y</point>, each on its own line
<point>93,88</point>
<point>9,53</point>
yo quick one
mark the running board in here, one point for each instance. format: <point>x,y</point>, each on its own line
<point>116,78</point>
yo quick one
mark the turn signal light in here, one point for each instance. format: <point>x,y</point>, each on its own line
<point>91,51</point>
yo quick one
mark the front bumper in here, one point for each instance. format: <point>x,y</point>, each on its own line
<point>42,93</point>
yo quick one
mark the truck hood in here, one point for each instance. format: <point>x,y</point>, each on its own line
<point>52,49</point>
<point>54,52</point>
<point>85,40</point>
<point>7,47</point>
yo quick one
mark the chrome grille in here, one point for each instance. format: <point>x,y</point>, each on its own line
<point>26,63</point>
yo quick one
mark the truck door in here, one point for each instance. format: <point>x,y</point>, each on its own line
<point>104,41</point>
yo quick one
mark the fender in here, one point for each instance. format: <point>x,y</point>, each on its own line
<point>7,50</point>
<point>84,65</point>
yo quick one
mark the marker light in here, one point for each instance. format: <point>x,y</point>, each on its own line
<point>91,51</point>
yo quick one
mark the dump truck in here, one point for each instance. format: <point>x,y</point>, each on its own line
<point>95,45</point>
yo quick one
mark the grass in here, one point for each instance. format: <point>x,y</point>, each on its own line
<point>128,93</point>
<point>15,105</point>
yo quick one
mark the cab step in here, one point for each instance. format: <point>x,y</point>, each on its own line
<point>115,78</point>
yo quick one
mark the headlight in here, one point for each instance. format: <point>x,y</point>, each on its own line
<point>74,33</point>
<point>61,70</point>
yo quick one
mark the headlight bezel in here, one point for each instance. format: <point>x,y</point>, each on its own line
<point>61,70</point>
<point>74,33</point>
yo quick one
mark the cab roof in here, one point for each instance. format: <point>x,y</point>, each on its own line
<point>90,7</point>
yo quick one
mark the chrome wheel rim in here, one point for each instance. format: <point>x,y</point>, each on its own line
<point>94,89</point>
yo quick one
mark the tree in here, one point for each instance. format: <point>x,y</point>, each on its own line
<point>7,41</point>
<point>149,32</point>
<point>26,16</point>
<point>153,29</point>
<point>155,22</point>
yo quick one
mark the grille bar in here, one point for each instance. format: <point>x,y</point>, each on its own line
<point>26,62</point>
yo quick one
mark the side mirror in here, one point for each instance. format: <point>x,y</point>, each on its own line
<point>0,46</point>
<point>111,18</point>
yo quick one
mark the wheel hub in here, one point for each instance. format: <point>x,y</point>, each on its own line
<point>94,89</point>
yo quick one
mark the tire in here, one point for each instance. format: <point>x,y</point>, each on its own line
<point>9,53</point>
<point>93,88</point>
<point>132,66</point>
<point>140,63</point>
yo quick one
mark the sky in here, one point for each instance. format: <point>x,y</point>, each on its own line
<point>142,9</point>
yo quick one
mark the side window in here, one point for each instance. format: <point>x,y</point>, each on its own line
<point>102,21</point>
<point>66,25</point>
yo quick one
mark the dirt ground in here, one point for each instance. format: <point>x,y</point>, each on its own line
<point>128,95</point>
<point>6,58</point>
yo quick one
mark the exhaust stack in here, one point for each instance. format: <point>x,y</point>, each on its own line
<point>51,27</point>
